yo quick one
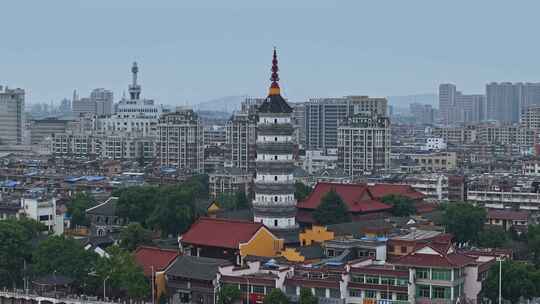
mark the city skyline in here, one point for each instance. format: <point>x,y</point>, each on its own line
<point>327,49</point>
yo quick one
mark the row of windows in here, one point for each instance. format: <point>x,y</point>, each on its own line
<point>434,274</point>
<point>378,280</point>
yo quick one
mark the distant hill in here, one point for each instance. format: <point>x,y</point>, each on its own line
<point>405,101</point>
<point>226,104</point>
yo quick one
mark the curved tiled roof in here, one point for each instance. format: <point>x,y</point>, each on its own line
<point>357,197</point>
<point>223,233</point>
<point>381,190</point>
<point>154,258</point>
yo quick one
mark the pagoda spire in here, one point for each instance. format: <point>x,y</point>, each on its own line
<point>274,87</point>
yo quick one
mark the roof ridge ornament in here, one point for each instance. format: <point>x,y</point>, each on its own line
<point>274,87</point>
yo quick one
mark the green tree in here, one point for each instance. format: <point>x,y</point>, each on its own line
<point>124,277</point>
<point>493,237</point>
<point>276,296</point>
<point>133,236</point>
<point>533,241</point>
<point>236,201</point>
<point>169,209</point>
<point>31,227</point>
<point>517,280</point>
<point>331,210</point>
<point>136,203</point>
<point>241,200</point>
<point>77,206</point>
<point>464,221</point>
<point>301,191</point>
<point>14,249</point>
<point>307,297</point>
<point>401,205</point>
<point>65,256</point>
<point>228,294</point>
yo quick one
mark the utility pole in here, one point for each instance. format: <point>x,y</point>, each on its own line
<point>104,287</point>
<point>153,278</point>
<point>500,280</point>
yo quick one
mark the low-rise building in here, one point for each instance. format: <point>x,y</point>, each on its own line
<point>103,218</point>
<point>507,219</point>
<point>229,239</point>
<point>316,160</point>
<point>193,279</point>
<point>435,161</point>
<point>40,205</point>
<point>361,203</point>
<point>229,180</point>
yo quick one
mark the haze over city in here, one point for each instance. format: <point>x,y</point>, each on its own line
<point>276,152</point>
<point>193,51</point>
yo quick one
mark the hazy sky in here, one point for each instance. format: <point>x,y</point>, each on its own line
<point>198,50</point>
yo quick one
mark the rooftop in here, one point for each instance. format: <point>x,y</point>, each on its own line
<point>224,233</point>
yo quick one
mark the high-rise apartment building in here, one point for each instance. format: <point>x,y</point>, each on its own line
<point>274,204</point>
<point>299,123</point>
<point>530,118</point>
<point>181,140</point>
<point>11,116</point>
<point>456,107</point>
<point>447,95</point>
<point>99,103</point>
<point>364,144</point>
<point>507,101</point>
<point>502,102</point>
<point>422,113</point>
<point>83,106</point>
<point>323,116</point>
<point>240,141</point>
<point>41,129</point>
<point>104,101</point>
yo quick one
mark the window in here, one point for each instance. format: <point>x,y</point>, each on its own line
<point>258,289</point>
<point>275,120</point>
<point>370,294</point>
<point>331,253</point>
<point>275,157</point>
<point>275,223</point>
<point>402,281</point>
<point>275,178</point>
<point>358,279</point>
<point>403,249</point>
<point>275,138</point>
<point>441,274</point>
<point>43,218</point>
<point>275,198</point>
<point>372,280</point>
<point>386,295</point>
<point>422,273</point>
<point>402,297</point>
<point>422,291</point>
<point>440,292</point>
<point>388,281</point>
<point>355,293</point>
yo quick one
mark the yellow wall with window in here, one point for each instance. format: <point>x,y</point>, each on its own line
<point>263,243</point>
